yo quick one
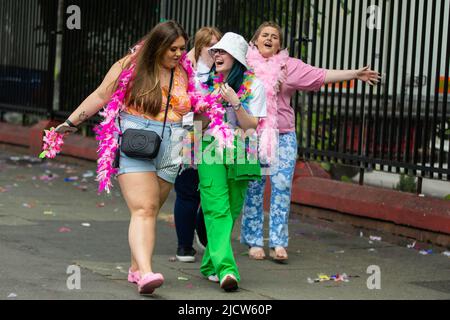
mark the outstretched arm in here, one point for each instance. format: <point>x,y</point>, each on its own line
<point>363,74</point>
<point>97,99</point>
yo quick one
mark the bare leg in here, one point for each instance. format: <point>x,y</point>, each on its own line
<point>142,194</point>
<point>164,188</point>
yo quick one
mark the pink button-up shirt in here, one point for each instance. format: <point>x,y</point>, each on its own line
<point>300,76</point>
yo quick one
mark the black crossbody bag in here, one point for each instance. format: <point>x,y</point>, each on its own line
<point>142,144</point>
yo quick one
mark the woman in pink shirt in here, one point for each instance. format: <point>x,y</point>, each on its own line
<point>282,77</point>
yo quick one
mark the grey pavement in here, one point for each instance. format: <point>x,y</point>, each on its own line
<point>48,224</point>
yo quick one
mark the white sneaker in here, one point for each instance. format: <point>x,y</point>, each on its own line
<point>199,244</point>
<point>213,278</point>
<point>185,255</point>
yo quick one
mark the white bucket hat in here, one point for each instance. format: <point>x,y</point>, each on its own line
<point>235,45</point>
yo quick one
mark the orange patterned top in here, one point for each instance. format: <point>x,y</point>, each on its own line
<point>179,101</point>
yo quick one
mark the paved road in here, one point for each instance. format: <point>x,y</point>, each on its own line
<point>48,224</point>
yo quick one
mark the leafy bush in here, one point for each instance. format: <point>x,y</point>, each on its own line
<point>407,183</point>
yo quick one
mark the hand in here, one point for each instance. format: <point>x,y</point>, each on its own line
<point>367,75</point>
<point>229,95</point>
<point>65,128</point>
<point>202,107</point>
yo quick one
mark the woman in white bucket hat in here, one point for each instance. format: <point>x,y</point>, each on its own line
<point>236,101</point>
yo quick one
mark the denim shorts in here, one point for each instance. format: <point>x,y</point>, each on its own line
<point>167,162</point>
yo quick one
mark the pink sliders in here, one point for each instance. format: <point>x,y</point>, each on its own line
<point>133,277</point>
<point>149,282</point>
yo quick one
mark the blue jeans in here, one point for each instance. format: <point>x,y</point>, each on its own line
<point>188,213</point>
<point>252,229</point>
<point>165,164</point>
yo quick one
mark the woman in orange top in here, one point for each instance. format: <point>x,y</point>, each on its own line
<point>179,100</point>
<point>145,184</point>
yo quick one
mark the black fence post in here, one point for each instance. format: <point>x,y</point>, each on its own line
<point>52,34</point>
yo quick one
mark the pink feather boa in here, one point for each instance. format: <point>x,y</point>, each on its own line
<point>270,72</point>
<point>107,130</point>
<point>205,102</point>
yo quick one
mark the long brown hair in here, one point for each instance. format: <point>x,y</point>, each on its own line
<point>144,92</point>
<point>203,38</point>
<point>268,24</point>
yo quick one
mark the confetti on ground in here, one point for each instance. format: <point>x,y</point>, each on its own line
<point>70,170</point>
<point>172,259</point>
<point>375,238</point>
<point>425,252</point>
<point>49,213</point>
<point>71,179</point>
<point>2,190</point>
<point>183,279</point>
<point>12,295</point>
<point>85,224</point>
<point>82,188</point>
<point>411,246</point>
<point>88,174</point>
<point>372,250</point>
<point>100,205</point>
<point>28,205</point>
<point>335,278</point>
<point>446,253</point>
<point>323,277</point>
<point>64,230</point>
<point>48,177</point>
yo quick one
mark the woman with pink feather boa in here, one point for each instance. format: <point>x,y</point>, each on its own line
<point>282,77</point>
<point>136,93</point>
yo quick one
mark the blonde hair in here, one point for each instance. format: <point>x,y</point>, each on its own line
<point>268,24</point>
<point>203,38</point>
